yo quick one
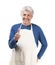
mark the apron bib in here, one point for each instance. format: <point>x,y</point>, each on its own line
<point>26,51</point>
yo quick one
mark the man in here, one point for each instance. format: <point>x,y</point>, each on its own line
<point>26,35</point>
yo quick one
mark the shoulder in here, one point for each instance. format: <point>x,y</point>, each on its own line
<point>36,27</point>
<point>16,26</point>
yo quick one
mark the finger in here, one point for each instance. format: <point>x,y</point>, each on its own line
<point>19,30</point>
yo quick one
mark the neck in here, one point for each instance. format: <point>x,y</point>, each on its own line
<point>26,24</point>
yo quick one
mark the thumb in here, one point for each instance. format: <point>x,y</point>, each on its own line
<point>18,30</point>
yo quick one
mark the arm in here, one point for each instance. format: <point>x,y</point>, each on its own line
<point>12,42</point>
<point>43,41</point>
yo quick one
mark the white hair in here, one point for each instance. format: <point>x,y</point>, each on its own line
<point>27,8</point>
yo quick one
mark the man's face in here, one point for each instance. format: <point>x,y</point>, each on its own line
<point>26,17</point>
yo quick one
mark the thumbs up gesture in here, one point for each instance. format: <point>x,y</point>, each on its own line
<point>17,35</point>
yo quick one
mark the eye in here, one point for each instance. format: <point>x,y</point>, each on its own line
<point>28,15</point>
<point>24,14</point>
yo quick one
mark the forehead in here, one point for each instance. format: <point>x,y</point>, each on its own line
<point>27,12</point>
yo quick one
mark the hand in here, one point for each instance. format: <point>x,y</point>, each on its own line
<point>17,35</point>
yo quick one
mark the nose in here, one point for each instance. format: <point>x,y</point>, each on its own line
<point>26,16</point>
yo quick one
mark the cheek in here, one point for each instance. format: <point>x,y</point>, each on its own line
<point>30,18</point>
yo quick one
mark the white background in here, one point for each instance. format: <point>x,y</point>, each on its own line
<point>44,16</point>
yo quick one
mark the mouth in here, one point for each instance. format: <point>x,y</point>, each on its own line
<point>25,19</point>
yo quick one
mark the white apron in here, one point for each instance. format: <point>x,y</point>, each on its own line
<point>26,52</point>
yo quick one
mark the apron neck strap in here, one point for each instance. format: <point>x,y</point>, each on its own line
<point>21,26</point>
<point>31,27</point>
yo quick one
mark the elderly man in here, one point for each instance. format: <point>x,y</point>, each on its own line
<point>25,36</point>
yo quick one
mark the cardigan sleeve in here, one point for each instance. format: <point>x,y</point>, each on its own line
<point>43,42</point>
<point>12,42</point>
